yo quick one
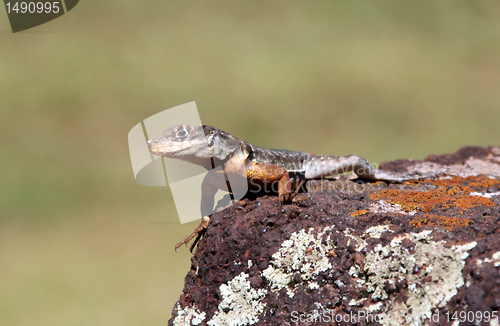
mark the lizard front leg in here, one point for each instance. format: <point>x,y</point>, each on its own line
<point>256,174</point>
<point>208,191</point>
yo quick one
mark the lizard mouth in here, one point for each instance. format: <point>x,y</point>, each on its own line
<point>165,148</point>
<point>168,148</point>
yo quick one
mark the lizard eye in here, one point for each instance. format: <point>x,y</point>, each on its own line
<point>181,134</point>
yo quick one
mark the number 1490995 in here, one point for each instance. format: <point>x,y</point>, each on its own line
<point>33,7</point>
<point>472,317</point>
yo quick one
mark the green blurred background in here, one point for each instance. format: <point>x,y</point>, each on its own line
<point>81,243</point>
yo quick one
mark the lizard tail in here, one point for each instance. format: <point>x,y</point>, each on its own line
<point>324,165</point>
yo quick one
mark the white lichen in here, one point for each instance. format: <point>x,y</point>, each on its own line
<point>441,267</point>
<point>374,307</point>
<point>360,241</point>
<point>432,270</point>
<point>313,286</point>
<point>486,194</point>
<point>303,253</point>
<point>382,206</point>
<point>307,253</point>
<point>241,304</point>
<point>376,231</point>
<point>495,259</point>
<point>188,316</point>
<point>358,303</point>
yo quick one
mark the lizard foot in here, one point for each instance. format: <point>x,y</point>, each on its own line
<point>198,233</point>
<point>286,198</point>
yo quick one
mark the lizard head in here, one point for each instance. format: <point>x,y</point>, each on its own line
<point>180,141</point>
<point>194,144</point>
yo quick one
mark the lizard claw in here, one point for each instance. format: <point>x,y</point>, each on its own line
<point>284,199</point>
<point>198,233</point>
<point>297,189</point>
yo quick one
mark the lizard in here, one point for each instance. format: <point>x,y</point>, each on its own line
<point>210,147</point>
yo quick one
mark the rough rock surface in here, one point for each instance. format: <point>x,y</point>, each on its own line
<point>349,252</point>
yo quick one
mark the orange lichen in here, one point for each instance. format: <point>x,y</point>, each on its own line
<point>477,182</point>
<point>450,193</point>
<point>449,223</point>
<point>483,182</point>
<point>413,200</point>
<point>468,202</point>
<point>358,213</point>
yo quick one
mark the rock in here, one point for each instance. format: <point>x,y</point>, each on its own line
<point>350,252</point>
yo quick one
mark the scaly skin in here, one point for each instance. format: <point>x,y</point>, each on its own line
<point>210,147</point>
